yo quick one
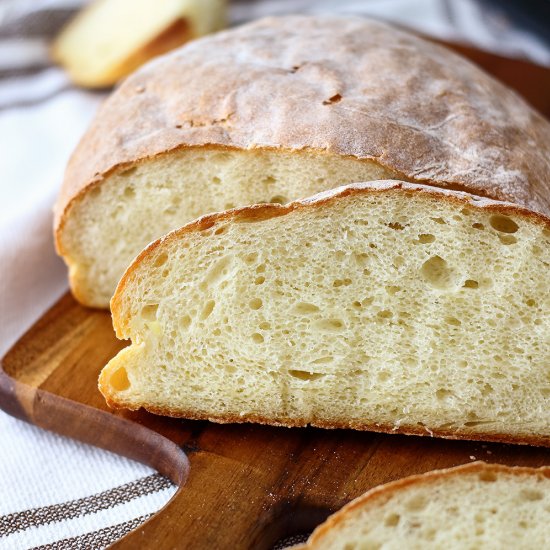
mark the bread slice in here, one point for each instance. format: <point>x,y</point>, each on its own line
<point>473,506</point>
<point>278,110</point>
<point>382,306</point>
<point>111,38</point>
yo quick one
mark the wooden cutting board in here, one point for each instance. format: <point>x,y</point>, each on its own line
<point>240,486</point>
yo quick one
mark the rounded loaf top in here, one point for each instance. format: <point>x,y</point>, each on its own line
<point>342,85</point>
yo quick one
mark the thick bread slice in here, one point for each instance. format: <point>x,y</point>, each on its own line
<point>384,306</point>
<point>281,109</point>
<point>473,506</point>
<point>111,38</point>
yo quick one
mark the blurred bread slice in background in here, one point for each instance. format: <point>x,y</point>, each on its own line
<point>111,38</point>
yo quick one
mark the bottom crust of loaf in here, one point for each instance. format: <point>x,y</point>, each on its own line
<point>404,429</point>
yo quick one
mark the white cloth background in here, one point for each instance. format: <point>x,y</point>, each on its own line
<point>39,469</point>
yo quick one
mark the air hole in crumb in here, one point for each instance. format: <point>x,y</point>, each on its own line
<point>443,394</point>
<point>531,494</point>
<point>392,520</point>
<point>361,258</point>
<point>257,338</point>
<point>398,262</point>
<point>478,226</point>
<point>161,259</point>
<point>119,380</point>
<point>396,226</point>
<point>278,199</point>
<point>488,477</point>
<point>251,258</point>
<point>470,283</point>
<point>334,99</point>
<point>546,233</point>
<point>129,192</point>
<point>384,314</point>
<point>305,375</point>
<point>383,376</point>
<point>269,180</point>
<point>453,321</point>
<point>507,239</point>
<point>305,308</point>
<point>440,221</point>
<point>504,224</point>
<point>425,238</point>
<point>255,303</point>
<point>416,503</point>
<point>330,325</point>
<point>391,289</point>
<point>95,191</point>
<point>221,230</point>
<point>207,309</point>
<point>216,180</point>
<point>185,322</point>
<point>341,282</point>
<point>437,273</point>
<point>531,302</point>
<point>219,271</point>
<point>128,171</point>
<point>259,280</point>
<point>149,312</point>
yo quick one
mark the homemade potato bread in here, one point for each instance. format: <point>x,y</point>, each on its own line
<point>281,109</point>
<point>109,39</point>
<point>473,506</point>
<point>383,306</point>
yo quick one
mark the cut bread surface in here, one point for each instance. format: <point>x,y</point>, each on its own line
<point>336,100</point>
<point>474,506</point>
<point>385,306</point>
<point>110,225</point>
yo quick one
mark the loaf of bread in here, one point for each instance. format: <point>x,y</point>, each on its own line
<point>111,38</point>
<point>473,506</point>
<point>278,110</point>
<point>384,306</point>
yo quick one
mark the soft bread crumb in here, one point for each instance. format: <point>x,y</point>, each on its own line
<point>114,222</point>
<point>386,306</point>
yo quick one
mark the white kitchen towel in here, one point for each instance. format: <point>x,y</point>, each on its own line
<point>55,492</point>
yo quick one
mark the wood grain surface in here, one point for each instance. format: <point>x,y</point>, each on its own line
<point>240,486</point>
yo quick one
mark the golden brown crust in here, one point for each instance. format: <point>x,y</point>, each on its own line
<point>383,492</point>
<point>382,95</point>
